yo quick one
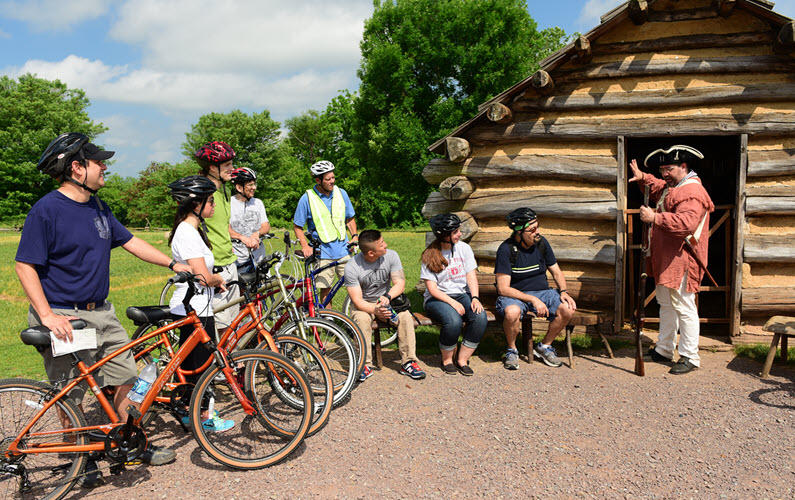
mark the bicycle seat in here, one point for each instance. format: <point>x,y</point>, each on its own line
<point>40,335</point>
<point>149,314</point>
<point>247,278</point>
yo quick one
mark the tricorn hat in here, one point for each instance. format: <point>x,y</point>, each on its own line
<point>674,155</point>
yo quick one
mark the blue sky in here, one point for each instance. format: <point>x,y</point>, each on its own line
<point>151,68</point>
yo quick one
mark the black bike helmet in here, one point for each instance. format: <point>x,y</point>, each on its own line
<point>58,155</point>
<point>520,218</point>
<point>191,188</point>
<point>243,175</point>
<point>444,224</point>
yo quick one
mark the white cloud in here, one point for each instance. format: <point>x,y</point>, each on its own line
<point>593,10</point>
<point>53,15</point>
<point>244,35</point>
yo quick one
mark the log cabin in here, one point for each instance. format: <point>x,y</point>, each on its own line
<point>718,75</point>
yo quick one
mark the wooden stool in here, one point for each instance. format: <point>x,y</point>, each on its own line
<point>782,327</point>
<point>584,317</point>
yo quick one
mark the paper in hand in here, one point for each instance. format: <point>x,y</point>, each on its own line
<point>82,340</point>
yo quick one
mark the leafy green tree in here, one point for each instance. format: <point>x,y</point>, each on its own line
<point>147,200</point>
<point>113,194</point>
<point>426,66</point>
<point>34,112</point>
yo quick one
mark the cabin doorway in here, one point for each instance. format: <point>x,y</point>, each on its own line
<point>718,171</point>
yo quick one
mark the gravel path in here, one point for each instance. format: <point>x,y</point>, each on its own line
<point>597,431</point>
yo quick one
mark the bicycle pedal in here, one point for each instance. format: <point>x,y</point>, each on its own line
<point>133,412</point>
<point>117,468</point>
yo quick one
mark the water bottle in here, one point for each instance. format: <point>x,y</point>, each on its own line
<point>393,317</point>
<point>144,382</point>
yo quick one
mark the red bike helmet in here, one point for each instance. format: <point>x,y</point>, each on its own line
<point>243,175</point>
<point>215,152</point>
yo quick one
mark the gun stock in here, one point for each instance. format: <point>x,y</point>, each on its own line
<point>640,313</point>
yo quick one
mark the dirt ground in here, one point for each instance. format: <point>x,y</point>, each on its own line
<point>595,431</point>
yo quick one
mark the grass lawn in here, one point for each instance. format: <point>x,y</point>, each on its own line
<point>134,282</point>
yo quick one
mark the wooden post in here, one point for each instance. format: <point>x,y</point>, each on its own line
<point>621,206</point>
<point>739,242</point>
<point>638,11</point>
<point>785,41</point>
<point>583,48</point>
<point>500,113</point>
<point>543,83</point>
<point>456,188</point>
<point>457,149</point>
<point>724,7</point>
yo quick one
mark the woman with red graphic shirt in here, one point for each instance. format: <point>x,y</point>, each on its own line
<point>449,271</point>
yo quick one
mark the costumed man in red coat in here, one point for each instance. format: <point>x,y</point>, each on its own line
<point>683,208</point>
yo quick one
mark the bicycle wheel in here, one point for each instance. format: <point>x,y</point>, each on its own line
<point>166,293</point>
<point>334,344</point>
<point>347,307</point>
<point>351,329</point>
<point>49,475</point>
<point>251,444</point>
<point>308,358</point>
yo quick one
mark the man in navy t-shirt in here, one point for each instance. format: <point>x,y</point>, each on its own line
<point>521,270</point>
<point>63,264</point>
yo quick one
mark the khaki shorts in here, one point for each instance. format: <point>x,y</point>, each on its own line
<point>224,318</point>
<point>111,336</point>
<point>327,277</point>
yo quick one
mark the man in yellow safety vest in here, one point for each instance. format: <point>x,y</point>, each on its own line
<point>327,212</point>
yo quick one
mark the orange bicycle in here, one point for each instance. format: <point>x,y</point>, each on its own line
<point>46,441</point>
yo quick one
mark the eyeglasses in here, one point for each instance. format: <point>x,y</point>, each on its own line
<point>668,169</point>
<point>533,229</point>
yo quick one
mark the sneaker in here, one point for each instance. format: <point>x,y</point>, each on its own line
<point>682,366</point>
<point>511,359</point>
<point>657,357</point>
<point>212,424</point>
<point>92,476</point>
<point>154,455</point>
<point>366,373</point>
<point>547,354</point>
<point>413,370</point>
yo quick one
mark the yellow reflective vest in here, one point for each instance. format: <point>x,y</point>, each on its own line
<point>330,226</point>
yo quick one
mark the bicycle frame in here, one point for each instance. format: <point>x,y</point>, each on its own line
<point>86,374</point>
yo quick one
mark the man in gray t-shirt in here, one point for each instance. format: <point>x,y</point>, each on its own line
<point>373,277</point>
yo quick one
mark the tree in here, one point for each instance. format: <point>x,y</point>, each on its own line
<point>35,111</point>
<point>426,66</point>
<point>147,199</point>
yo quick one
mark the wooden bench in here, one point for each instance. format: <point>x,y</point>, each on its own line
<point>580,318</point>
<point>782,327</point>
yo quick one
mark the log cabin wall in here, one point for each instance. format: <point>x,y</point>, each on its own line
<point>652,69</point>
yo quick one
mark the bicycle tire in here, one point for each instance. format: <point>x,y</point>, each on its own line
<point>165,293</point>
<point>347,307</point>
<point>51,475</point>
<point>351,329</point>
<point>338,350</point>
<point>308,358</point>
<point>249,444</point>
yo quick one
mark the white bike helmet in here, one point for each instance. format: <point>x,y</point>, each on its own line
<point>321,167</point>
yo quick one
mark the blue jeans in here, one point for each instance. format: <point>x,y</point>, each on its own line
<point>452,322</point>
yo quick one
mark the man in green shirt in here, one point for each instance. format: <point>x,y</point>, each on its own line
<point>215,160</point>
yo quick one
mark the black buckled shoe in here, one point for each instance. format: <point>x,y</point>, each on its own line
<point>92,476</point>
<point>682,366</point>
<point>657,357</point>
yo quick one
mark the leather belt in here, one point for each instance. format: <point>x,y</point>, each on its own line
<point>84,306</point>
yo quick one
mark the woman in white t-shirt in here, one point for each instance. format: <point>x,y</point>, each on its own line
<point>189,245</point>
<point>449,271</point>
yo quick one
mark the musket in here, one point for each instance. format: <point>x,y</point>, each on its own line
<point>640,313</point>
<point>693,252</point>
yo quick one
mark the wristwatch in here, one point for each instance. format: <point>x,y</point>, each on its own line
<point>389,297</point>
<point>563,291</point>
<point>173,263</point>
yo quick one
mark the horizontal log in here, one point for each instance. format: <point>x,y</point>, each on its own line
<point>785,41</point>
<point>769,248</point>
<point>457,187</point>
<point>499,113</point>
<point>685,42</point>
<point>437,204</point>
<point>582,249</point>
<point>638,11</point>
<point>768,301</point>
<point>779,190</point>
<point>457,149</point>
<point>583,48</point>
<point>684,66</point>
<point>771,163</point>
<point>599,169</point>
<point>543,83</point>
<point>565,204</point>
<point>587,292</point>
<point>725,94</point>
<point>667,16</point>
<point>770,205</point>
<point>664,126</point>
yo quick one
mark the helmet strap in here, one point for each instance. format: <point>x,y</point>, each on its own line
<point>223,184</point>
<point>80,184</point>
